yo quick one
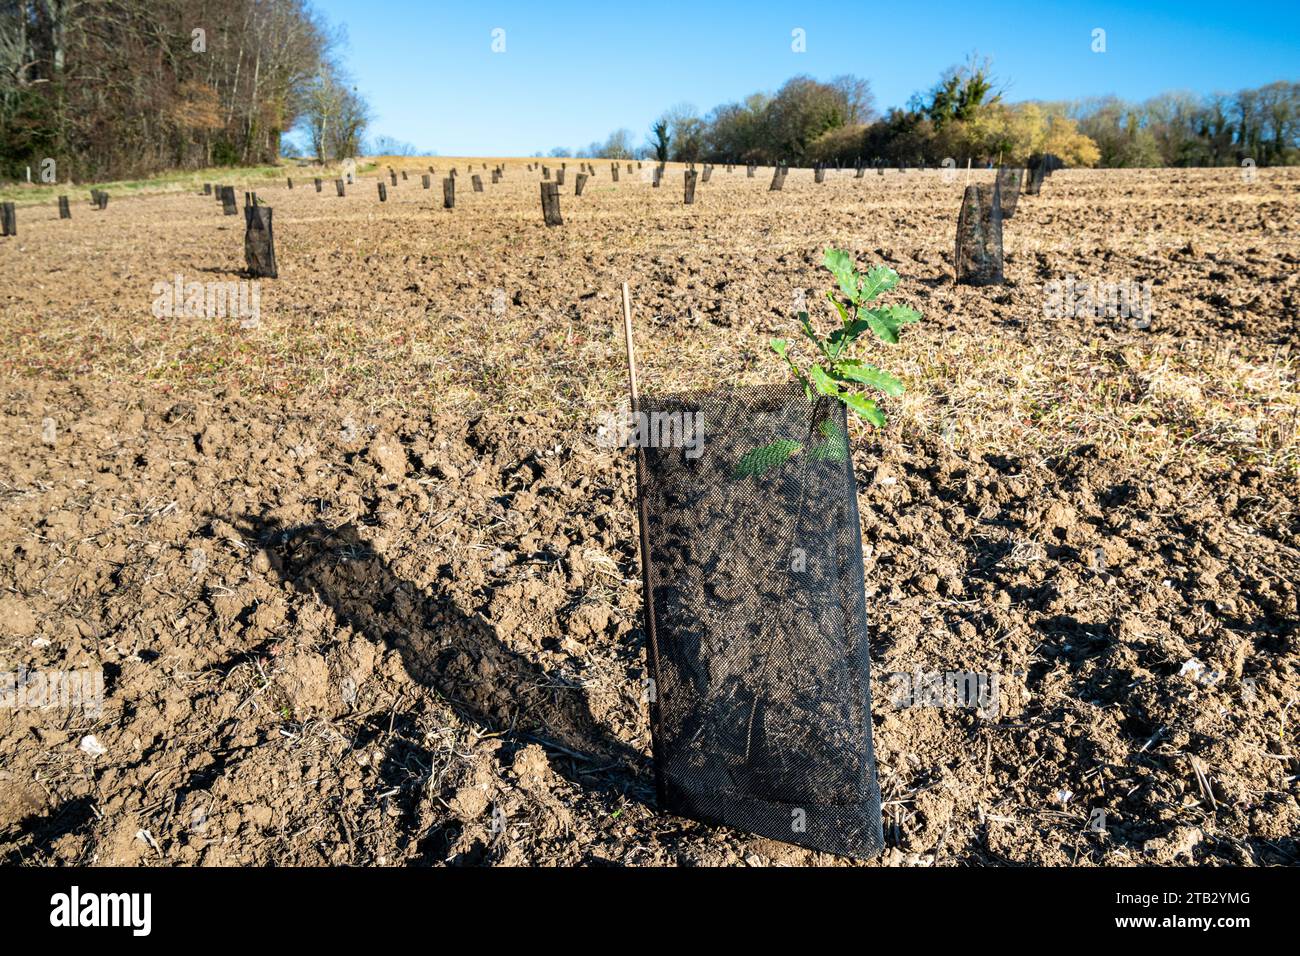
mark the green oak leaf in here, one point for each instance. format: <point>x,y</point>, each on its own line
<point>851,370</point>
<point>834,445</point>
<point>877,280</point>
<point>885,330</point>
<point>888,319</point>
<point>822,381</point>
<point>840,264</point>
<point>866,408</point>
<point>901,314</point>
<point>765,458</point>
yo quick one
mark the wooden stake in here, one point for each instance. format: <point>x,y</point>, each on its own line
<point>627,338</point>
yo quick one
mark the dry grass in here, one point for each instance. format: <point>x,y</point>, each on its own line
<point>402,304</point>
<point>187,181</point>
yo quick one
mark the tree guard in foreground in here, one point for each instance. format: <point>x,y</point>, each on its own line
<point>978,257</point>
<point>259,242</point>
<point>551,204</point>
<point>755,615</point>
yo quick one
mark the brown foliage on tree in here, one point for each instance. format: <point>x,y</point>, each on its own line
<point>128,87</point>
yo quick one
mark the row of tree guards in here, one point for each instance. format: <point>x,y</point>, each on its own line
<point>978,258</point>
<point>9,214</point>
<point>754,602</point>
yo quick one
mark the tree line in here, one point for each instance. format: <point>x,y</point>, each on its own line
<point>966,117</point>
<point>116,88</point>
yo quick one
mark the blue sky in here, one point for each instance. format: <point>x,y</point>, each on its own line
<point>572,73</point>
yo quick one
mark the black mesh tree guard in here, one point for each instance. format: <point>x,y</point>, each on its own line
<point>1034,178</point>
<point>1009,180</point>
<point>978,256</point>
<point>756,620</point>
<point>259,241</point>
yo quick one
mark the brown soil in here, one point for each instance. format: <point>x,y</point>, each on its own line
<point>365,586</point>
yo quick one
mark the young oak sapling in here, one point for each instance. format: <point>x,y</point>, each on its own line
<point>836,373</point>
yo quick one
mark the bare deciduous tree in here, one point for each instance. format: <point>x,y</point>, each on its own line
<point>122,87</point>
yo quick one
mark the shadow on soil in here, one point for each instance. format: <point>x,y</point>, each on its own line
<point>457,655</point>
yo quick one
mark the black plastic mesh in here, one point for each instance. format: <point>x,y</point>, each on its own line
<point>259,241</point>
<point>1009,180</point>
<point>1034,178</point>
<point>979,236</point>
<point>756,623</point>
